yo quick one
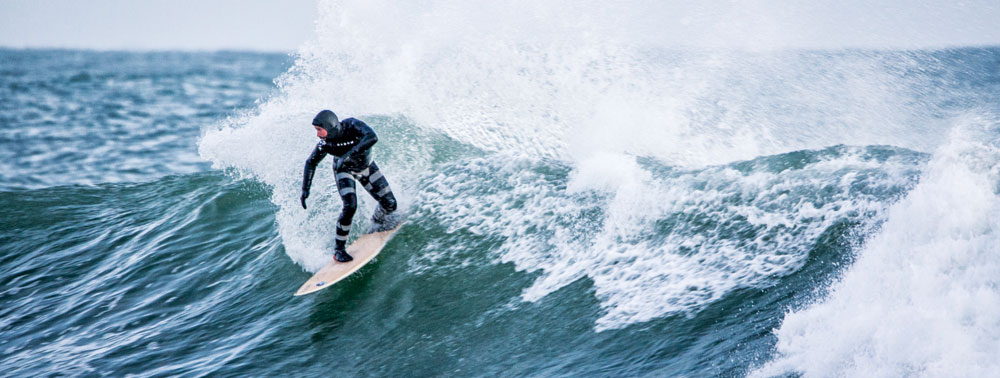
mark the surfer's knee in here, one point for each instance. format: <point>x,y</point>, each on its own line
<point>350,204</point>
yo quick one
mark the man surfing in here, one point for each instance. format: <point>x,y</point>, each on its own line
<point>350,142</point>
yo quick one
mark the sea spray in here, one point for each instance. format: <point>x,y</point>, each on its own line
<point>558,81</point>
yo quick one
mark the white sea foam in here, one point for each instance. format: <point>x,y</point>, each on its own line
<point>923,298</point>
<point>656,245</point>
<point>557,80</point>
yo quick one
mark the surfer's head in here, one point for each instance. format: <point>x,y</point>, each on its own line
<point>327,125</point>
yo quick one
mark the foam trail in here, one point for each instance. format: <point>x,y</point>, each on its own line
<point>923,298</point>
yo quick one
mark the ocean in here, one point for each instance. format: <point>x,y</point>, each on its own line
<point>577,206</point>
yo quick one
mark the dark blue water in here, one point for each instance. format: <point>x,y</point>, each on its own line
<point>74,117</point>
<point>148,209</point>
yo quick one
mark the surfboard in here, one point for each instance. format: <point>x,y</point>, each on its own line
<point>363,250</point>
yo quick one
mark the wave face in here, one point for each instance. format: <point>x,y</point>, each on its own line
<point>583,200</point>
<point>187,274</point>
<point>104,280</point>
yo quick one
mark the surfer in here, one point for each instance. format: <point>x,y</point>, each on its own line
<point>350,142</point>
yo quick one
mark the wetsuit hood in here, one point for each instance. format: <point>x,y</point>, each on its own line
<point>329,122</point>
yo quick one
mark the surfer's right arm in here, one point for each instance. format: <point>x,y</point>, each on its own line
<point>307,175</point>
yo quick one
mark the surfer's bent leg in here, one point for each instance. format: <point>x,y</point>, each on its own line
<point>345,185</point>
<point>378,186</point>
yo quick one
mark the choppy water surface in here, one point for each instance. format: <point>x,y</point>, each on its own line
<point>74,117</point>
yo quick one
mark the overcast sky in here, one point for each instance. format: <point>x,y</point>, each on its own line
<point>273,25</point>
<point>157,24</point>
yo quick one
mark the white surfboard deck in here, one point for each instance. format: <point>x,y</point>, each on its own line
<point>363,250</point>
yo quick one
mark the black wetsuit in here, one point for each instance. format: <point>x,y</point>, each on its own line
<point>352,153</point>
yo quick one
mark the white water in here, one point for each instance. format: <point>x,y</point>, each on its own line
<point>641,271</point>
<point>558,80</point>
<point>923,298</point>
<point>566,81</point>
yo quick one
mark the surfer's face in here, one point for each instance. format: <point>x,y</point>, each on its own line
<point>320,132</point>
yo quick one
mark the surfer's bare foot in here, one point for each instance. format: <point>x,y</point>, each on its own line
<point>342,256</point>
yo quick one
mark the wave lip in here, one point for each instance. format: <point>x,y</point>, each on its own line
<point>923,298</point>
